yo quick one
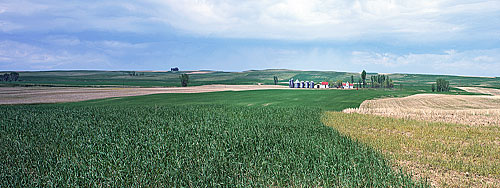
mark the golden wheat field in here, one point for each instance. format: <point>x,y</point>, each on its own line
<point>476,110</point>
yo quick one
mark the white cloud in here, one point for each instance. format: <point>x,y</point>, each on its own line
<point>285,19</point>
<point>22,7</point>
<point>310,19</point>
<point>62,40</point>
<point>471,62</point>
<point>16,55</point>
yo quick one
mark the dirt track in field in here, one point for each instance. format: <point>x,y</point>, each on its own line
<point>31,95</point>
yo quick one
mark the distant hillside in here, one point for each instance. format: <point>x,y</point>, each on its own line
<point>171,79</point>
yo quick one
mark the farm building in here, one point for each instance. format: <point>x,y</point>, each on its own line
<point>300,84</point>
<point>306,84</point>
<point>324,85</point>
<point>347,85</point>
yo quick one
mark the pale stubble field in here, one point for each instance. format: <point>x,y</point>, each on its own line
<point>453,140</point>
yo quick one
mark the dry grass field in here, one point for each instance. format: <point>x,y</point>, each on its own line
<point>454,140</point>
<point>30,95</point>
<point>449,155</point>
<point>474,110</point>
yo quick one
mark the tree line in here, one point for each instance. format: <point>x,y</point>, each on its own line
<point>376,81</point>
<point>383,81</point>
<point>441,85</point>
<point>13,76</point>
<point>133,73</point>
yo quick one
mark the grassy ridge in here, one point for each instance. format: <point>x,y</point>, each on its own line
<point>190,145</point>
<point>163,79</point>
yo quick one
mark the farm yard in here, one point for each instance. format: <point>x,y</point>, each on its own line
<point>248,135</point>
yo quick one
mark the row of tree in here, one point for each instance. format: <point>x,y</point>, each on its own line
<point>441,85</point>
<point>13,76</point>
<point>133,73</point>
<point>377,81</point>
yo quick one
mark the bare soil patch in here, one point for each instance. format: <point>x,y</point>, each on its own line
<point>30,95</point>
<point>199,72</point>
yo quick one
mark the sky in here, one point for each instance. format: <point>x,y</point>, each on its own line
<point>456,37</point>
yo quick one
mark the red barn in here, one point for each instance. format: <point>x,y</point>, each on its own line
<point>347,85</point>
<point>324,85</point>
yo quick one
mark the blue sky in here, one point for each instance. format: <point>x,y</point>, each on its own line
<point>387,36</point>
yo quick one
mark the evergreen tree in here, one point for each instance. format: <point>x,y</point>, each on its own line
<point>363,77</point>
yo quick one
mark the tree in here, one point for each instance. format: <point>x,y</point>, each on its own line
<point>442,85</point>
<point>363,77</point>
<point>331,84</point>
<point>184,80</point>
<point>14,76</point>
<point>6,77</point>
<point>338,83</point>
<point>352,79</point>
<point>275,80</point>
<point>371,80</point>
<point>433,87</point>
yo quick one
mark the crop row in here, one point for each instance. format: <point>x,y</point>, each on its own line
<point>187,146</point>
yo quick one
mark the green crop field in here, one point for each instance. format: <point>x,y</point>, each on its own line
<point>325,99</point>
<point>183,145</point>
<point>169,79</point>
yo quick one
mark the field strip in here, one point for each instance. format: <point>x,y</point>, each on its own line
<point>31,95</point>
<point>462,109</point>
<point>489,91</point>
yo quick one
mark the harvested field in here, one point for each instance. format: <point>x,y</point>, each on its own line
<point>450,155</point>
<point>489,91</point>
<point>461,154</point>
<point>30,95</point>
<point>460,109</point>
